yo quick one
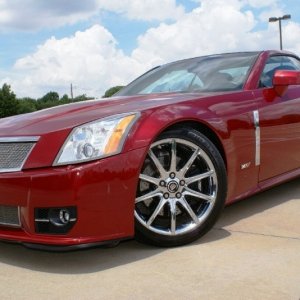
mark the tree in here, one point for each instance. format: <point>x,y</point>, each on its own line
<point>65,99</point>
<point>10,105</point>
<point>49,100</point>
<point>8,102</point>
<point>26,105</point>
<point>112,91</point>
<point>50,97</point>
<point>82,97</point>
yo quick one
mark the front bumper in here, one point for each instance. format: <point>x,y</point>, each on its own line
<point>103,193</point>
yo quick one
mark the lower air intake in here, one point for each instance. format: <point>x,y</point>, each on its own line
<point>9,216</point>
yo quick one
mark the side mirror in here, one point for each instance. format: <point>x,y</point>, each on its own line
<point>283,78</point>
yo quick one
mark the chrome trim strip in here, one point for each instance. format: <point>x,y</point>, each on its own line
<point>19,216</point>
<point>257,137</point>
<point>10,225</point>
<point>18,139</point>
<point>47,220</point>
<point>10,170</point>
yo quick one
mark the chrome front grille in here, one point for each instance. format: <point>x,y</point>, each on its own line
<point>14,152</point>
<point>12,155</point>
<point>9,216</point>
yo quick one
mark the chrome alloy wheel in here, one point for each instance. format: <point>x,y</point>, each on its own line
<point>177,187</point>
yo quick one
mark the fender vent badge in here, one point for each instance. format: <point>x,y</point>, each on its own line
<point>246,165</point>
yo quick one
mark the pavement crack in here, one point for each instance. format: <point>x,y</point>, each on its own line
<point>257,233</point>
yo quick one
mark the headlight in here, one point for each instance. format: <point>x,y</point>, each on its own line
<point>95,140</point>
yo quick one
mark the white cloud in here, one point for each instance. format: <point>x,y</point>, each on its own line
<point>262,3</point>
<point>270,12</point>
<point>291,34</point>
<point>268,8</point>
<point>93,62</point>
<point>216,26</point>
<point>89,59</point>
<point>35,15</point>
<point>144,10</point>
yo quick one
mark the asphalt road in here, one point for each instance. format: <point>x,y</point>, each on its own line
<point>253,252</point>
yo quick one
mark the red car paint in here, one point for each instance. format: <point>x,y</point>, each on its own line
<point>104,190</point>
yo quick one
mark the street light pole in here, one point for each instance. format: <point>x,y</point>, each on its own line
<point>280,34</point>
<point>275,19</point>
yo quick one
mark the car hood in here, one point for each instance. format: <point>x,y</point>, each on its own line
<point>68,116</point>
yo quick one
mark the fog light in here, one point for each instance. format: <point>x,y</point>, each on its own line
<point>55,220</point>
<point>61,216</point>
<point>64,216</point>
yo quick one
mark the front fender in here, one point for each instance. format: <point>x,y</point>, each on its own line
<point>153,123</point>
<point>235,133</point>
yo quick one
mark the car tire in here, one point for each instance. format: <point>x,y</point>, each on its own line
<point>181,190</point>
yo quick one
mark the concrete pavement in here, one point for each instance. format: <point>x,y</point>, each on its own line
<point>253,252</point>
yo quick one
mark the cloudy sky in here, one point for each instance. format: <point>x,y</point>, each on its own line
<point>96,44</point>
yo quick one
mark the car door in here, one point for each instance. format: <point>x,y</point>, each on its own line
<point>278,120</point>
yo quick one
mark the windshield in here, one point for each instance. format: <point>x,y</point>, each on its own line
<point>203,74</point>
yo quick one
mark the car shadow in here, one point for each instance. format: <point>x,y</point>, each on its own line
<point>88,260</point>
<point>99,259</point>
<point>259,203</point>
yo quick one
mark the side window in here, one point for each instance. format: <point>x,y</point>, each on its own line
<point>277,63</point>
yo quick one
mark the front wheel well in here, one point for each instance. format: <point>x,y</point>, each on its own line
<point>182,188</point>
<point>205,130</point>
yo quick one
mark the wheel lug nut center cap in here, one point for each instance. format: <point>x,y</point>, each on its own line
<point>173,186</point>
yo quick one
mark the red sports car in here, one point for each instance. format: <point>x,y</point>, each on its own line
<point>159,160</point>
